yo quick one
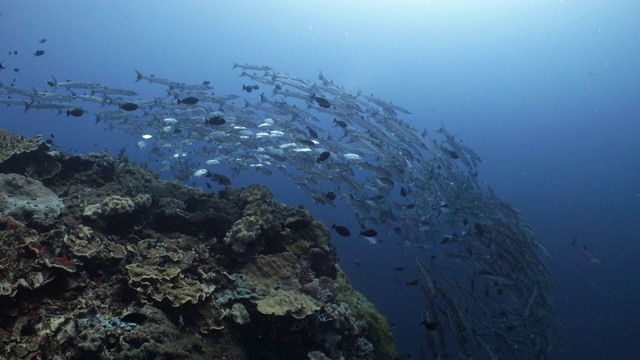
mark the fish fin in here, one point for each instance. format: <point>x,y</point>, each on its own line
<point>55,83</point>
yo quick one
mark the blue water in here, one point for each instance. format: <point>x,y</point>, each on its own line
<point>546,92</point>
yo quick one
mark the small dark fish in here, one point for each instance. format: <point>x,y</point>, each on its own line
<point>403,191</point>
<point>397,230</point>
<point>77,112</point>
<point>479,229</point>
<point>341,230</point>
<point>177,130</point>
<point>431,326</point>
<point>191,100</point>
<point>324,103</point>
<point>340,123</point>
<point>445,240</point>
<point>15,52</point>
<point>255,87</point>
<point>52,136</point>
<point>206,82</point>
<point>216,120</point>
<point>307,142</point>
<point>324,156</point>
<point>412,283</point>
<point>38,53</point>
<point>298,224</point>
<point>357,263</point>
<point>247,88</point>
<point>331,195</point>
<point>16,70</point>
<point>500,292</point>
<point>399,269</point>
<point>453,154</point>
<point>369,233</point>
<point>42,41</point>
<point>465,221</point>
<point>312,133</point>
<point>129,106</point>
<point>220,179</point>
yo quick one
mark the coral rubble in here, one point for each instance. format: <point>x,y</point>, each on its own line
<point>109,262</point>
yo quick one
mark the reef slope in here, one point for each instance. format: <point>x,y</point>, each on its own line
<point>101,259</point>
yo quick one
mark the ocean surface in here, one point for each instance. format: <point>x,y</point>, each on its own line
<point>547,93</point>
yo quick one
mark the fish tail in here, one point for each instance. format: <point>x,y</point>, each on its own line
<point>138,75</point>
<point>55,83</point>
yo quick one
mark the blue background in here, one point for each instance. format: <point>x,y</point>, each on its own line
<point>546,92</point>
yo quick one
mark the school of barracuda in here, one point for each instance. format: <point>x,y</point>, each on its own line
<point>485,287</point>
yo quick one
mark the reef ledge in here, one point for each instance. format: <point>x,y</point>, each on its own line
<point>101,259</point>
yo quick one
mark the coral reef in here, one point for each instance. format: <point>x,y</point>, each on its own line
<point>109,262</point>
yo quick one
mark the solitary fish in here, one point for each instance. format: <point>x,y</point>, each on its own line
<point>429,325</point>
<point>77,112</point>
<point>340,123</point>
<point>324,103</point>
<point>199,172</point>
<point>341,230</point>
<point>129,106</point>
<point>369,233</point>
<point>191,100</point>
<point>312,133</point>
<point>324,156</point>
<point>220,179</point>
<point>216,120</point>
<point>399,269</point>
<point>38,53</point>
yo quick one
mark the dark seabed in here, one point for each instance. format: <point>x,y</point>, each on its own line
<point>389,106</point>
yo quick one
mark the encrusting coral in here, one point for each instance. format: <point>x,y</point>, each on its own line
<point>127,266</point>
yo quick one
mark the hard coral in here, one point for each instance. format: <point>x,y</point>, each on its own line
<point>11,144</point>
<point>27,199</point>
<point>240,314</point>
<point>29,156</point>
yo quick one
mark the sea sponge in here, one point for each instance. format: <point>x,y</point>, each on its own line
<point>242,233</point>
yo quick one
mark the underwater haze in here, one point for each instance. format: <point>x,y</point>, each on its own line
<point>547,93</point>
